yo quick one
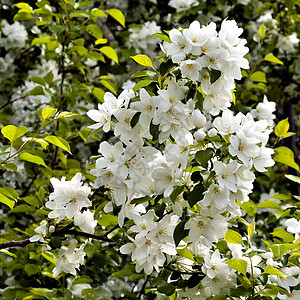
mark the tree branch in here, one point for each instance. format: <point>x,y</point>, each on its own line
<point>11,101</point>
<point>22,243</point>
<point>89,235</point>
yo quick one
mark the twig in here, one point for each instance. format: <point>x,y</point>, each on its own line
<point>89,235</point>
<point>111,230</point>
<point>22,243</point>
<point>63,73</point>
<point>142,292</point>
<point>11,101</point>
<point>30,184</point>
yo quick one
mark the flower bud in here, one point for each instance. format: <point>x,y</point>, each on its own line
<point>212,132</point>
<point>198,118</point>
<point>200,135</point>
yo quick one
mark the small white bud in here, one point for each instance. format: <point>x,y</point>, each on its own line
<point>199,119</point>
<point>51,229</point>
<point>212,132</point>
<point>200,135</point>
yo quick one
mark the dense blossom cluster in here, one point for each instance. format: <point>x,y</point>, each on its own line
<point>67,201</point>
<point>174,178</point>
<point>132,168</point>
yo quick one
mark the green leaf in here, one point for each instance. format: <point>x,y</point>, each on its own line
<point>117,15</point>
<point>100,41</point>
<point>282,128</point>
<point>251,228</point>
<point>273,59</point>
<point>177,190</point>
<point>180,233</point>
<point>293,178</point>
<point>67,114</point>
<point>141,84</point>
<point>162,37</point>
<point>84,3</point>
<point>262,30</point>
<point>99,94</point>
<point>110,53</point>
<point>49,256</point>
<point>273,271</point>
<point>282,197</point>
<point>239,265</point>
<point>23,7</point>
<point>219,297</point>
<point>283,234</point>
<point>57,29</point>
<point>246,283</point>
<point>185,253</point>
<point>196,194</point>
<point>43,40</point>
<point>109,85</point>
<point>59,142</point>
<point>258,76</point>
<point>214,75</point>
<point>32,269</point>
<point>94,30</point>
<point>48,112</point>
<point>31,200</point>
<point>95,12</point>
<point>269,204</point>
<point>6,200</point>
<point>38,90</point>
<point>249,207</point>
<point>37,80</point>
<point>41,142</point>
<point>32,158</point>
<point>10,166</point>
<point>166,288</point>
<point>143,60</point>
<point>12,132</point>
<point>22,16</point>
<point>233,237</point>
<point>79,14</point>
<point>286,156</point>
<point>203,156</point>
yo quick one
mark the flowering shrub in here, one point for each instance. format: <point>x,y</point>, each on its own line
<point>155,191</point>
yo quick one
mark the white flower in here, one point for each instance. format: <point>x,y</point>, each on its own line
<point>244,149</point>
<point>112,156</point>
<point>102,116</point>
<point>263,159</point>
<point>215,266</point>
<point>190,69</point>
<point>68,197</point>
<point>226,174</point>
<point>264,111</point>
<point>179,47</point>
<point>293,226</point>
<point>16,35</point>
<point>227,123</point>
<point>85,221</point>
<point>146,106</point>
<point>217,195</point>
<point>41,231</point>
<point>69,259</point>
<point>199,119</point>
<point>163,180</point>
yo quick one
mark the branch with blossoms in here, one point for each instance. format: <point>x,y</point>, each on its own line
<point>65,230</point>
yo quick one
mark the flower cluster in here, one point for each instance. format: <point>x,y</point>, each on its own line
<point>152,241</point>
<point>132,169</point>
<point>67,200</point>
<point>15,35</point>
<point>69,258</point>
